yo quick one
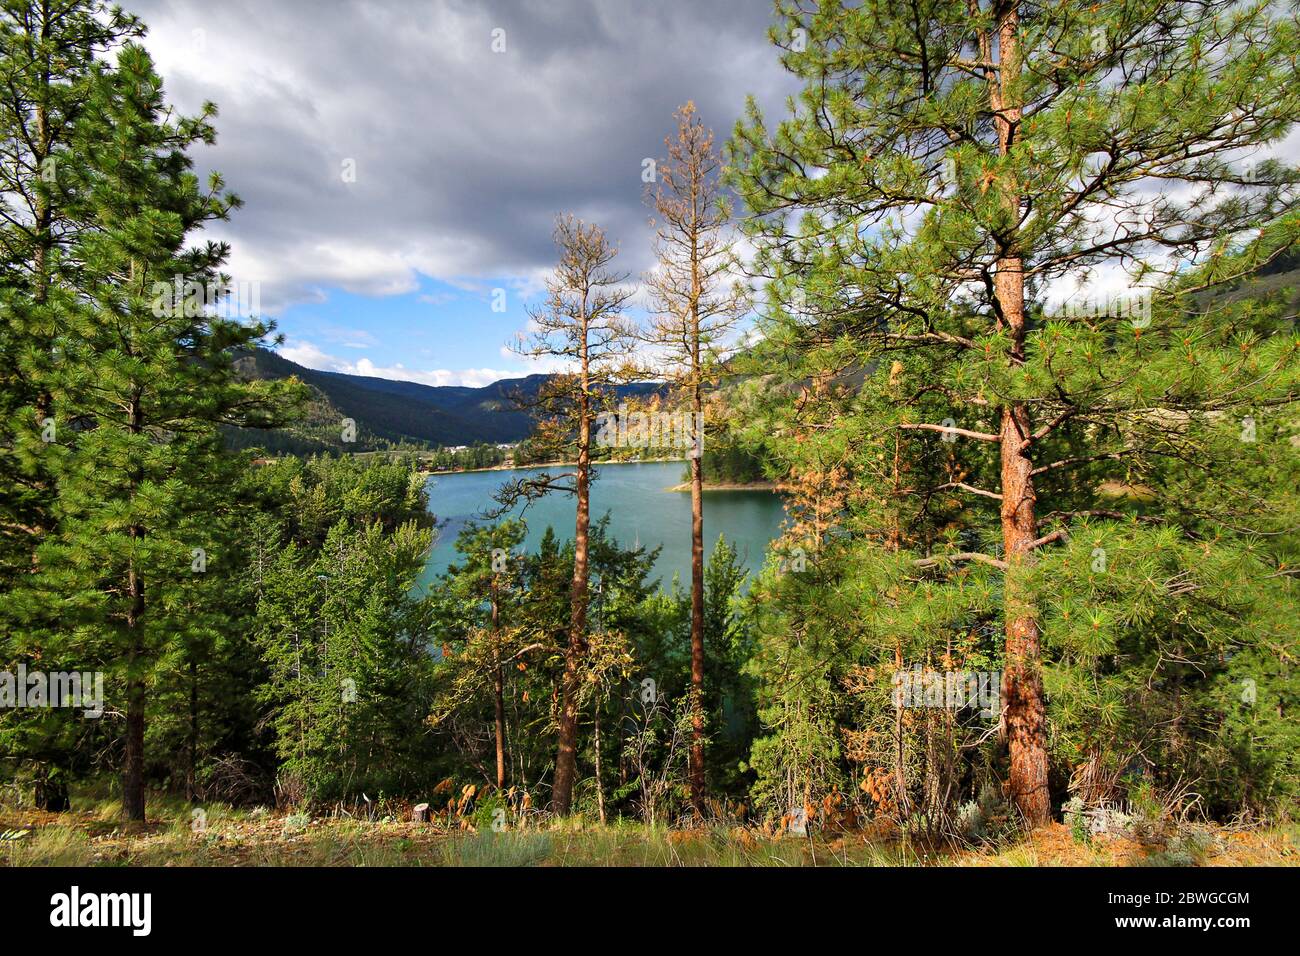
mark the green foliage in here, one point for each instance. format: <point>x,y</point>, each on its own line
<point>47,64</point>
<point>885,208</point>
<point>638,663</point>
<point>259,621</point>
<point>344,640</point>
<point>134,396</point>
<point>1077,820</point>
<point>730,462</point>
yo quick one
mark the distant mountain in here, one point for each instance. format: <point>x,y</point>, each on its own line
<point>1281,275</point>
<point>388,411</point>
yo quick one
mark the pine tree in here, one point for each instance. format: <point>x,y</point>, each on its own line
<point>143,380</point>
<point>947,165</point>
<point>47,50</point>
<point>345,643</point>
<point>696,309</point>
<point>581,325</point>
<point>46,53</point>
<point>728,639</point>
<point>476,611</point>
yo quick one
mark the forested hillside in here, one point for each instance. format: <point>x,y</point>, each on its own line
<point>389,412</point>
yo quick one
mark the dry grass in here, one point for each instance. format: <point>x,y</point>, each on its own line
<point>93,835</point>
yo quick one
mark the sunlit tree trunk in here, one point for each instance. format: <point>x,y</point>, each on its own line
<point>582,326</point>
<point>567,757</point>
<point>696,306</point>
<point>1022,683</point>
<point>498,690</point>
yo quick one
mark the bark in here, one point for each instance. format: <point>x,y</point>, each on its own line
<point>695,761</point>
<point>498,688</point>
<point>566,761</point>
<point>696,756</point>
<point>191,787</point>
<point>600,783</point>
<point>133,763</point>
<point>1022,683</point>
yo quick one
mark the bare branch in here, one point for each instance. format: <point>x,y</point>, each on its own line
<point>949,430</point>
<point>975,556</point>
<point>971,488</point>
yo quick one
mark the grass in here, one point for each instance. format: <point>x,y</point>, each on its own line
<point>93,834</point>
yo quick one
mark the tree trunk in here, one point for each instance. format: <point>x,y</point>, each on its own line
<point>191,774</point>
<point>133,768</point>
<point>51,791</point>
<point>1022,682</point>
<point>498,688</point>
<point>566,761</point>
<point>133,764</point>
<point>900,754</point>
<point>696,761</point>
<point>600,784</point>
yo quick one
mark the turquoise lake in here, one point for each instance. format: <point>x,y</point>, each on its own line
<point>641,509</point>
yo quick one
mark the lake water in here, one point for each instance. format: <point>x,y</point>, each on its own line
<point>640,507</point>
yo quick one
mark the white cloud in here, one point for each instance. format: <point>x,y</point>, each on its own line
<point>309,355</point>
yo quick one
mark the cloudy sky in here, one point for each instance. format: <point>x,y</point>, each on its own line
<point>462,156</point>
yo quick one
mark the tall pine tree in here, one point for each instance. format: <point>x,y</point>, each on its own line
<point>143,379</point>
<point>696,304</point>
<point>582,326</point>
<point>949,163</point>
<point>47,48</point>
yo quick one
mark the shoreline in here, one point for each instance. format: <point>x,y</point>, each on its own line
<point>773,486</point>
<point>549,464</point>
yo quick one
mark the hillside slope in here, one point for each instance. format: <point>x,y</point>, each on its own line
<point>388,411</point>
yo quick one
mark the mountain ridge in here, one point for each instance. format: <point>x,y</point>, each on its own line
<point>389,411</point>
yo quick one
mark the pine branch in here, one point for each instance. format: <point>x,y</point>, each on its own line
<point>976,556</point>
<point>1079,460</point>
<point>950,430</point>
<point>1058,535</point>
<point>973,490</point>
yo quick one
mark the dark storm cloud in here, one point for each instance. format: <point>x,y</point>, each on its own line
<point>463,156</point>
